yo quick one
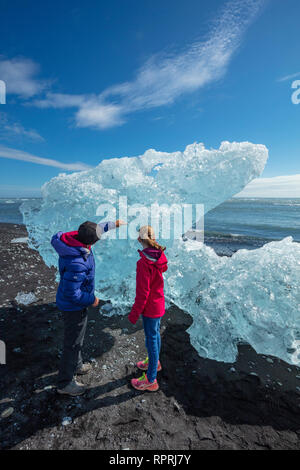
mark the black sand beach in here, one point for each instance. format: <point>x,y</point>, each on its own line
<point>201,404</point>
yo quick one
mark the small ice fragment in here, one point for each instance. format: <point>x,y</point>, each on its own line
<point>25,299</point>
<point>67,420</point>
<point>19,240</point>
<point>232,369</point>
<point>17,350</point>
<point>270,360</point>
<point>6,413</point>
<point>176,406</point>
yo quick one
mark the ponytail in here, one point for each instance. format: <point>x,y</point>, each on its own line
<point>147,235</point>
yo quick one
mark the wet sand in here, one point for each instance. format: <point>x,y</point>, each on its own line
<point>201,404</point>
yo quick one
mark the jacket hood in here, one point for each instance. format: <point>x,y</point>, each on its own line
<point>71,239</point>
<point>154,256</point>
<point>66,245</point>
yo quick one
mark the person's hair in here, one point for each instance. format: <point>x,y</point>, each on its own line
<point>146,234</point>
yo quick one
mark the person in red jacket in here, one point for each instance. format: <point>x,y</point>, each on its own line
<point>150,303</point>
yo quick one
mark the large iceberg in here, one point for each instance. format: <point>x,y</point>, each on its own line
<point>253,296</point>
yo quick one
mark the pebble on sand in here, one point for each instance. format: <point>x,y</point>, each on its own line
<point>6,413</point>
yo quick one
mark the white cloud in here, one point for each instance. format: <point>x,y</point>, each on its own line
<point>60,100</point>
<point>19,75</point>
<point>289,77</point>
<point>102,116</point>
<point>164,78</point>
<point>18,130</point>
<point>6,152</point>
<point>12,130</point>
<point>278,186</point>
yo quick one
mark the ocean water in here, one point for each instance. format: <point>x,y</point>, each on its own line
<point>9,210</point>
<point>251,222</point>
<point>237,223</point>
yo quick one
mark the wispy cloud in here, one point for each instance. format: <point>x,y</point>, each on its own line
<point>20,77</point>
<point>288,77</point>
<point>164,78</point>
<point>278,186</point>
<point>12,130</point>
<point>16,129</point>
<point>7,152</point>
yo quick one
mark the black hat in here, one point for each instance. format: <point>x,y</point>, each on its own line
<point>87,233</point>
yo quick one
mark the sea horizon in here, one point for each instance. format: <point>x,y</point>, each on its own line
<point>238,223</point>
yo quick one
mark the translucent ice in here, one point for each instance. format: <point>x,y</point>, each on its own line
<point>25,299</point>
<point>253,296</point>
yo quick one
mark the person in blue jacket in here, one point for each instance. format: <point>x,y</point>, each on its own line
<point>74,294</point>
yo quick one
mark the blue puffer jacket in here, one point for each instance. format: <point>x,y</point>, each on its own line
<point>77,275</point>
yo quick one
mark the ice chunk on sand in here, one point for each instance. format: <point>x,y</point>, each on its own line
<point>66,421</point>
<point>19,240</point>
<point>25,299</point>
<point>230,298</point>
<point>253,296</point>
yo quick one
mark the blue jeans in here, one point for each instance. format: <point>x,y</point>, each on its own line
<point>153,342</point>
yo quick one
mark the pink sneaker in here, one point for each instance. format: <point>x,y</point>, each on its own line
<point>143,365</point>
<point>143,384</point>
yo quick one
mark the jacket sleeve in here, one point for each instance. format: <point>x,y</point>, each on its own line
<point>142,291</point>
<point>73,277</point>
<point>55,239</point>
<point>103,227</point>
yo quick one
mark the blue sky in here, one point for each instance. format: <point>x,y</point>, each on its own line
<point>92,80</point>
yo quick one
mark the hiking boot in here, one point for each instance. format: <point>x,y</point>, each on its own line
<point>143,384</point>
<point>143,365</point>
<point>84,369</point>
<point>73,389</point>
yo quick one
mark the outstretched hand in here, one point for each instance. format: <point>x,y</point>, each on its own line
<point>120,222</point>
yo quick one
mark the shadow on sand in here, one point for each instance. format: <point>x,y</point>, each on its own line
<point>201,387</point>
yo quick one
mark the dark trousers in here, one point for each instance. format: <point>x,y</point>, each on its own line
<point>71,360</point>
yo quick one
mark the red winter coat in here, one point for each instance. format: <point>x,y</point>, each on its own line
<point>150,299</point>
